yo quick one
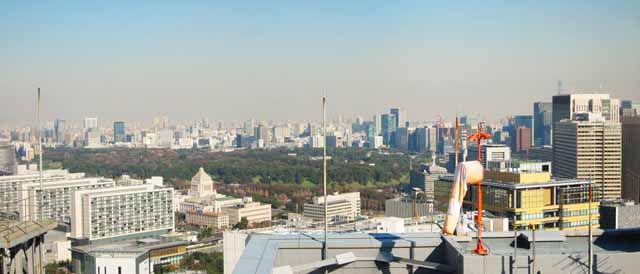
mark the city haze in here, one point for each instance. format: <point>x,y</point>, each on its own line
<point>226,61</point>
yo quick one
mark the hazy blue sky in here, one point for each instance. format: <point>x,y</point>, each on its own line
<point>133,60</point>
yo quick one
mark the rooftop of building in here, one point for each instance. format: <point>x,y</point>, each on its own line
<point>127,248</point>
<point>511,185</point>
<point>370,252</point>
<point>14,233</point>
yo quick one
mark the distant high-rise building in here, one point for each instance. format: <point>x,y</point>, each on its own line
<point>512,128</point>
<point>589,148</point>
<point>90,123</point>
<point>262,133</point>
<point>490,152</point>
<point>568,105</point>
<point>377,121</point>
<point>400,115</point>
<point>389,126</point>
<point>542,123</point>
<point>59,127</point>
<point>280,133</point>
<point>248,128</point>
<point>631,158</point>
<point>119,134</point>
<point>334,141</point>
<point>522,140</point>
<point>401,139</point>
<point>629,108</point>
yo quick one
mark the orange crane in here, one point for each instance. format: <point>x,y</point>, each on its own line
<point>479,136</point>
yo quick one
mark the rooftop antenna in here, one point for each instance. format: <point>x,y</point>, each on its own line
<point>559,87</point>
<point>324,177</point>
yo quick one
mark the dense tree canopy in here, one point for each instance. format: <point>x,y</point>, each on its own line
<point>298,166</point>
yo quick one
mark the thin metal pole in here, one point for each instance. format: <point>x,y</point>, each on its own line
<point>515,246</point>
<point>41,152</point>
<point>456,135</point>
<point>533,263</point>
<point>41,267</point>
<point>324,176</point>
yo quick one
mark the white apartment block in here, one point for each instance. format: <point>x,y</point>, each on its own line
<point>253,211</point>
<point>99,214</point>
<point>340,207</point>
<point>11,186</point>
<point>54,201</point>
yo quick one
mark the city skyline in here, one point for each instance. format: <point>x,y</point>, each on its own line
<point>239,61</point>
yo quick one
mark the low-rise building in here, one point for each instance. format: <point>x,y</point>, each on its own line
<point>254,212</point>
<point>214,220</point>
<point>142,256</point>
<point>526,191</point>
<point>619,215</point>
<point>340,207</point>
<point>404,207</point>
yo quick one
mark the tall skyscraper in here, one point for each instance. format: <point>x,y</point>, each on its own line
<point>567,105</point>
<point>119,134</point>
<point>542,123</point>
<point>90,123</point>
<point>377,121</point>
<point>262,133</point>
<point>59,127</point>
<point>631,158</point>
<point>589,147</point>
<point>388,127</point>
<point>400,115</point>
<point>248,127</point>
<point>401,139</point>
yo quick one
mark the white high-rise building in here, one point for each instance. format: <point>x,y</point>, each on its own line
<point>99,214</point>
<point>90,123</point>
<point>54,201</point>
<point>11,186</point>
<point>202,184</point>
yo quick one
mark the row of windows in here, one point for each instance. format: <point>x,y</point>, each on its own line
<point>578,223</point>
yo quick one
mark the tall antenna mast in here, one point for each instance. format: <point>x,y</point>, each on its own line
<point>559,87</point>
<point>324,176</point>
<point>41,152</point>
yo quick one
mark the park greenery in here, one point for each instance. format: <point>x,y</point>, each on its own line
<point>289,166</point>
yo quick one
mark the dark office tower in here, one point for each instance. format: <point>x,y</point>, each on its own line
<point>119,134</point>
<point>631,158</point>
<point>542,123</point>
<point>401,117</point>
<point>420,139</point>
<point>58,130</point>
<point>388,124</point>
<point>523,121</point>
<point>401,137</point>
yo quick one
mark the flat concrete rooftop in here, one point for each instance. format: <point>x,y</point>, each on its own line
<point>555,252</point>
